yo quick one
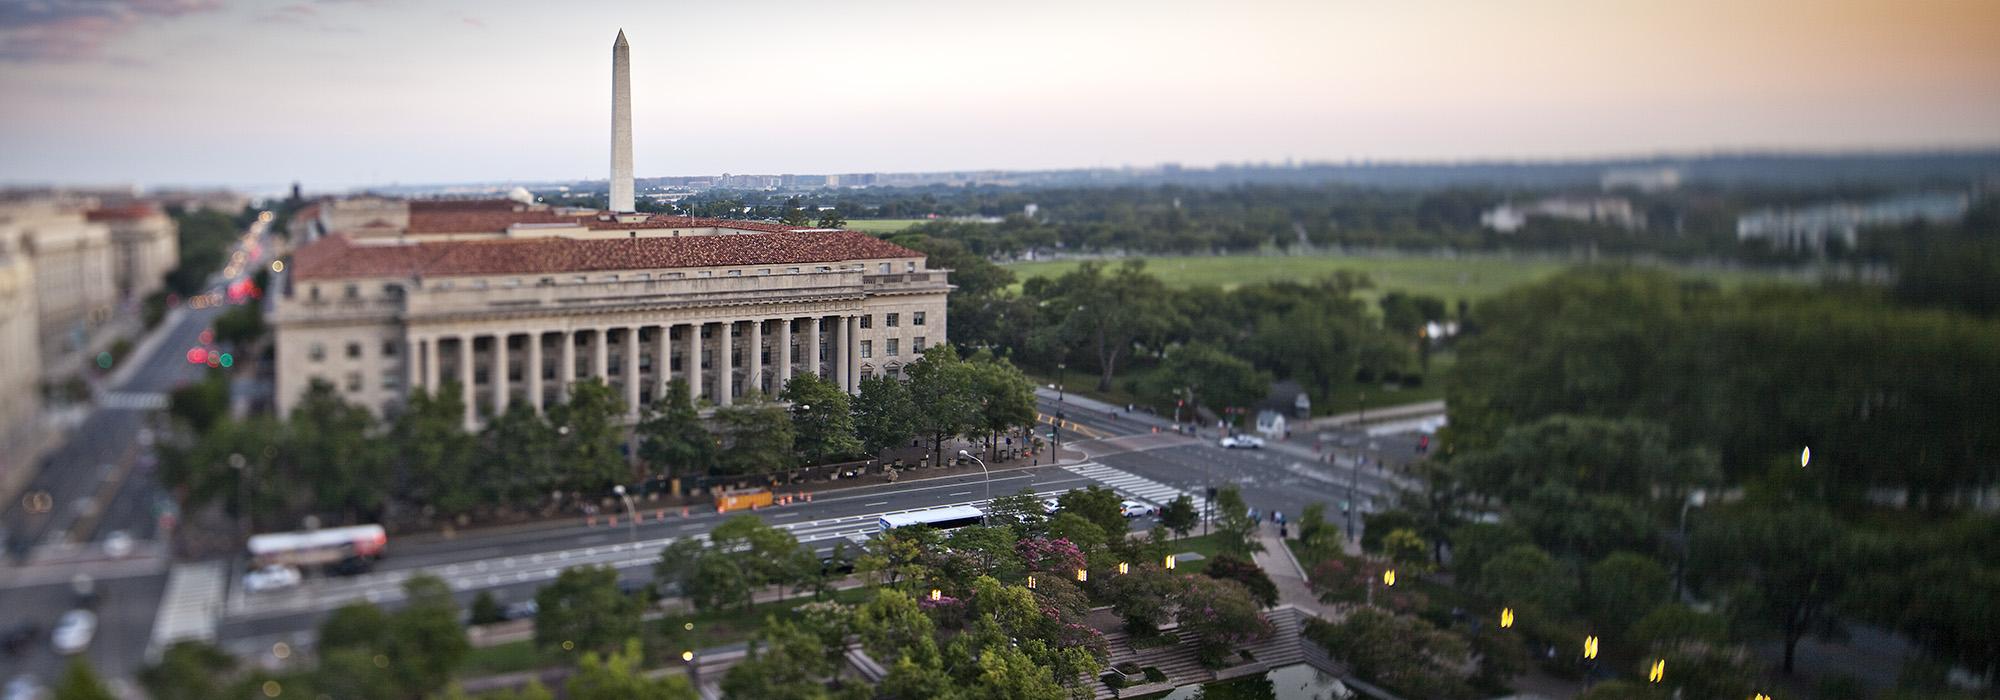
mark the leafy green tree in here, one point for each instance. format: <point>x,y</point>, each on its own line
<point>1221,615</point>
<point>527,445</point>
<point>1101,506</point>
<point>1005,396</point>
<point>329,443</point>
<point>620,675</point>
<point>1673,623</point>
<point>1234,530</point>
<point>1473,544</point>
<point>672,439</point>
<point>79,682</point>
<point>534,690</point>
<point>425,641</point>
<point>770,556</point>
<point>1109,312</point>
<point>1625,586</point>
<point>831,218</point>
<point>1086,535</point>
<point>1407,549</point>
<point>584,608</point>
<point>1022,510</point>
<point>822,418</point>
<point>1405,313</point>
<point>1318,539</point>
<point>898,558</point>
<point>1375,527</point>
<point>941,393</point>
<point>1179,515</point>
<point>991,546</point>
<point>486,610</point>
<point>1626,457</point>
<point>884,416</point>
<point>710,579</point>
<point>1523,576</point>
<point>795,213</point>
<point>1581,528</point>
<point>349,673</point>
<point>1783,568</point>
<point>1141,599</point>
<point>892,626</point>
<point>1405,654</point>
<point>188,670</point>
<point>784,663</point>
<point>435,454</point>
<point>589,432</point>
<point>756,436</point>
<point>357,625</point>
<point>202,404</point>
<point>1230,567</point>
<point>1211,377</point>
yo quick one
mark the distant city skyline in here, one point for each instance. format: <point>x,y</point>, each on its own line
<point>341,94</point>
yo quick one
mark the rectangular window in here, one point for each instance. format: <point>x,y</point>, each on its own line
<point>391,382</point>
<point>892,347</point>
<point>867,349</point>
<point>791,271</point>
<point>735,273</point>
<point>312,292</point>
<point>917,344</point>
<point>764,271</point>
<point>894,320</point>
<point>353,381</point>
<point>706,273</point>
<point>910,266</point>
<point>316,352</point>
<point>353,291</point>
<point>354,351</point>
<point>882,268</point>
<point>867,321</point>
<point>676,275</point>
<point>388,348</point>
<point>916,318</point>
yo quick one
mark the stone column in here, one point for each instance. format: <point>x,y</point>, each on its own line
<point>811,349</point>
<point>782,345</point>
<point>632,371</point>
<point>725,364</point>
<point>428,376</point>
<point>691,365</point>
<point>842,340</point>
<point>600,347</point>
<point>566,374</point>
<point>851,350</point>
<point>500,389</point>
<point>534,370</point>
<point>662,360</point>
<point>755,358</point>
<point>466,376</point>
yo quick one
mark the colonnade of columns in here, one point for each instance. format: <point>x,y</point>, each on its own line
<point>508,367</point>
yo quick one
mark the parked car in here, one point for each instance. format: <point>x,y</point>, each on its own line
<point>74,631</point>
<point>521,611</point>
<point>1051,505</point>
<point>271,578</point>
<point>1135,509</point>
<point>1247,442</point>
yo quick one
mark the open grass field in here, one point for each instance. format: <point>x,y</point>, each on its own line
<point>1468,277</point>
<point>882,225</point>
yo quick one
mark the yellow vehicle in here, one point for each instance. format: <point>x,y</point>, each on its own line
<point>742,499</point>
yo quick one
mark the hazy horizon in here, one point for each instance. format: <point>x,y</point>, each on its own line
<point>338,94</point>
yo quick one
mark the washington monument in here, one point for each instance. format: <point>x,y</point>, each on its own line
<point>621,126</point>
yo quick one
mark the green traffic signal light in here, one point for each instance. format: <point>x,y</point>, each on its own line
<point>228,359</point>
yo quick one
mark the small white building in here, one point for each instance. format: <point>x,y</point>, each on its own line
<point>1271,424</point>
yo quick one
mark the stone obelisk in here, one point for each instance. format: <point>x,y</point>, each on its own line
<point>621,126</point>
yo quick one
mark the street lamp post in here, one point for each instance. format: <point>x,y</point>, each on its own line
<point>631,514</point>
<point>982,470</point>
<point>1694,499</point>
<point>1060,367</point>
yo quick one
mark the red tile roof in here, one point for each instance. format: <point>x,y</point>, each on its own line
<point>128,212</point>
<point>433,220</point>
<point>417,205</point>
<point>334,257</point>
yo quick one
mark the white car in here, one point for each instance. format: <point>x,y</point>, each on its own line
<point>1248,442</point>
<point>118,544</point>
<point>1051,505</point>
<point>1135,509</point>
<point>271,578</point>
<point>74,631</point>
<point>25,687</point>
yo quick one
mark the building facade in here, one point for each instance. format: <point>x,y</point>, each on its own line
<point>21,373</point>
<point>512,303</point>
<point>75,291</point>
<point>145,245</point>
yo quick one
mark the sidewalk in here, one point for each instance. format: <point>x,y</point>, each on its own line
<point>1294,585</point>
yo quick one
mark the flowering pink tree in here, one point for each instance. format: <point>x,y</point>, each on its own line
<point>1049,555</point>
<point>1222,616</point>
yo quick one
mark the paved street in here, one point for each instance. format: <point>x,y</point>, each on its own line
<point>99,482</point>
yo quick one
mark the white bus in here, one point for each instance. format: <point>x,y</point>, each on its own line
<point>325,546</point>
<point>948,518</point>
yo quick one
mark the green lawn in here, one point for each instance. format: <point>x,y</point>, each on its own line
<point>509,658</point>
<point>716,628</point>
<point>1468,277</point>
<point>1347,397</point>
<point>882,225</point>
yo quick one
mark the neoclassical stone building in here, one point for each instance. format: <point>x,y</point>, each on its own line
<point>514,302</point>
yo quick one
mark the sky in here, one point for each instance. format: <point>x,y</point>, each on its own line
<point>346,93</point>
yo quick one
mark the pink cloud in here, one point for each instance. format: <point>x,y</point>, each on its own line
<point>63,31</point>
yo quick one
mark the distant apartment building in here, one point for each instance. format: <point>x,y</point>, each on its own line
<point>1613,211</point>
<point>145,246</point>
<point>21,373</point>
<point>1812,228</point>
<point>514,302</point>
<point>75,265</point>
<point>1645,180</point>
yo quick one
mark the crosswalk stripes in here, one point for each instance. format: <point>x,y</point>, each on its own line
<point>190,606</point>
<point>133,400</point>
<point>1135,486</point>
